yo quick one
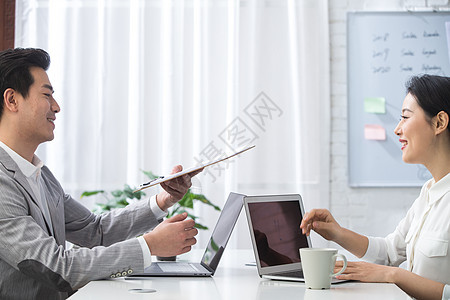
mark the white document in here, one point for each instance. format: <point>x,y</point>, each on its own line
<point>187,171</point>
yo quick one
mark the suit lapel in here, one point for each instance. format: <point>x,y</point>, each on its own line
<point>15,173</point>
<point>55,213</point>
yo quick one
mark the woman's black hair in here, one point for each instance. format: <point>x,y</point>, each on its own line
<point>431,92</point>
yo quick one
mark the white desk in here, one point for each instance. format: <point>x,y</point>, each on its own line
<point>233,280</point>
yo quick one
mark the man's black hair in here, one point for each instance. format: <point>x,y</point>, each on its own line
<point>15,67</point>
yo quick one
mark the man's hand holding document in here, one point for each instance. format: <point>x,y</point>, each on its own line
<point>197,169</point>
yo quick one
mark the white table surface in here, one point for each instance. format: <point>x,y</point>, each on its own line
<point>233,280</point>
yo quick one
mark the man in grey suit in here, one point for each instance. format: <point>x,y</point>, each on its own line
<point>37,217</point>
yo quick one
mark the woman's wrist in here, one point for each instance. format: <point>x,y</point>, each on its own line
<point>394,274</point>
<point>339,235</point>
<point>352,241</point>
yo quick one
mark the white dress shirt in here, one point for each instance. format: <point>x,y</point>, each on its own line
<point>421,238</point>
<point>446,293</point>
<point>159,214</point>
<point>32,172</point>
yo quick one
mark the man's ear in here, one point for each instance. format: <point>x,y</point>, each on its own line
<point>442,120</point>
<point>9,99</point>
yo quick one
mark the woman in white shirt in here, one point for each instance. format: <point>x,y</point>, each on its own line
<point>422,237</point>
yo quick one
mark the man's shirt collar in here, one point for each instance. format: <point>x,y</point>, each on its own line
<point>30,170</point>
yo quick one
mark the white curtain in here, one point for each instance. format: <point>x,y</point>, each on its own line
<point>146,85</point>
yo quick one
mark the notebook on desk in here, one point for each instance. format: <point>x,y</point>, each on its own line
<point>274,223</point>
<point>213,252</point>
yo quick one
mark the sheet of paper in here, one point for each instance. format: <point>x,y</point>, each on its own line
<point>374,132</point>
<point>375,105</point>
<point>190,170</point>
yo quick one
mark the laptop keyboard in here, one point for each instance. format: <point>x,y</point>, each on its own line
<point>295,274</point>
<point>177,268</point>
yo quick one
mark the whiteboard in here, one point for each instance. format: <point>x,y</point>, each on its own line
<point>384,49</point>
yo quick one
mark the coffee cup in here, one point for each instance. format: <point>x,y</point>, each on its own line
<point>318,266</point>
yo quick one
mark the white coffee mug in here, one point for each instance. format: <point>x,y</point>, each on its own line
<point>318,265</point>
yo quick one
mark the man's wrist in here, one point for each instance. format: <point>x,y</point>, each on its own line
<point>148,239</point>
<point>156,209</point>
<point>146,253</point>
<point>161,204</point>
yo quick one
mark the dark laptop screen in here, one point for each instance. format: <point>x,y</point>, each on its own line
<point>276,227</point>
<point>222,231</point>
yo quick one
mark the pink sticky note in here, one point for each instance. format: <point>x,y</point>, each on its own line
<point>374,132</point>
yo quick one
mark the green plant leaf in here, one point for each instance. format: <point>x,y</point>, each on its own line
<point>183,200</point>
<point>120,198</point>
<point>188,201</point>
<point>150,174</point>
<point>192,216</point>
<point>117,193</point>
<point>128,191</point>
<point>181,210</point>
<point>173,211</point>
<point>202,199</point>
<point>123,202</point>
<point>200,226</point>
<point>214,245</point>
<point>102,206</point>
<point>138,195</point>
<point>91,193</point>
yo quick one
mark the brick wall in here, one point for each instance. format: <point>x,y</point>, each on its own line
<point>7,10</point>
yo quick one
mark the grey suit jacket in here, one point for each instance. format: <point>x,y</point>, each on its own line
<point>34,264</point>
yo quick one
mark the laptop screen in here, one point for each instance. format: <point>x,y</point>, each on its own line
<point>222,231</point>
<point>276,230</point>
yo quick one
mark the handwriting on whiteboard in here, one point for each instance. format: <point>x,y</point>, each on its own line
<point>404,59</point>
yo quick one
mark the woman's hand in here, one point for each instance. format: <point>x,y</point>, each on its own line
<point>414,285</point>
<point>366,272</point>
<point>322,222</point>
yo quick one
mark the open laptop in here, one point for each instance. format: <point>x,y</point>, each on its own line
<point>274,223</point>
<point>213,252</point>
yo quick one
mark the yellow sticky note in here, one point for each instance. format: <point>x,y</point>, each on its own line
<point>375,105</point>
<point>374,132</point>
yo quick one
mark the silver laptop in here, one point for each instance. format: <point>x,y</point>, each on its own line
<point>274,223</point>
<point>213,252</point>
